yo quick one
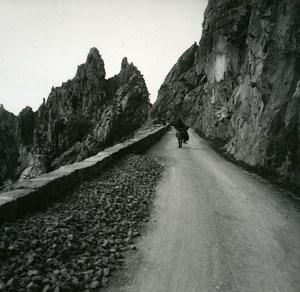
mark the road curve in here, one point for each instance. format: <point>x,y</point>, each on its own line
<point>218,227</point>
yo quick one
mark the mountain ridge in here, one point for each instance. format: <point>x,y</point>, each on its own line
<point>79,118</point>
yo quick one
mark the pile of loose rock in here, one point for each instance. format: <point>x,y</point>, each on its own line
<point>76,243</point>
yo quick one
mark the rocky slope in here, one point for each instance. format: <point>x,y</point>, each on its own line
<point>81,117</point>
<point>242,83</point>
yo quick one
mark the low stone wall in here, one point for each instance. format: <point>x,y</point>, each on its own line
<point>37,192</point>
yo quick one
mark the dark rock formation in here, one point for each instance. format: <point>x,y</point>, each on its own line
<point>126,110</point>
<point>81,117</point>
<point>16,138</point>
<point>24,138</point>
<point>8,145</point>
<point>122,105</point>
<point>240,83</point>
<point>72,110</point>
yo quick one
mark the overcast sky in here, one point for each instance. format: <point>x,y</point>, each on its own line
<point>43,41</point>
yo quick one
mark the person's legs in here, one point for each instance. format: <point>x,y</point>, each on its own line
<point>186,137</point>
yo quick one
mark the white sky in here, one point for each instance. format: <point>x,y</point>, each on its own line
<point>43,41</point>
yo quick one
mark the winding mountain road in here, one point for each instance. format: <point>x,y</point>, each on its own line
<point>216,227</point>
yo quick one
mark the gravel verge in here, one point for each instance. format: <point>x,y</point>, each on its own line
<point>75,244</point>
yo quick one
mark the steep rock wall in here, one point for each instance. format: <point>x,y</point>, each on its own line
<point>71,112</point>
<point>128,88</point>
<point>8,145</point>
<point>240,83</point>
<point>16,138</point>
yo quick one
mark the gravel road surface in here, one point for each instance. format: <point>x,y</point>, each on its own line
<point>216,227</point>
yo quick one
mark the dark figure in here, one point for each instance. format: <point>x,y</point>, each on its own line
<point>181,132</point>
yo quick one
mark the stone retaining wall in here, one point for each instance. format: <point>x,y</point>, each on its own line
<point>35,193</point>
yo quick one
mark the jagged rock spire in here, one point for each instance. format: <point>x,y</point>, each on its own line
<point>79,118</point>
<point>124,63</point>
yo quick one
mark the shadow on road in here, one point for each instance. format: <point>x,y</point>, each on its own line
<point>192,148</point>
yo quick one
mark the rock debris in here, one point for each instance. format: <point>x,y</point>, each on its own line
<point>75,244</point>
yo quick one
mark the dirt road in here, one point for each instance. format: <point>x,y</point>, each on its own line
<point>217,227</point>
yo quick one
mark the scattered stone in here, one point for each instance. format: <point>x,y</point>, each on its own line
<point>2,285</point>
<point>46,288</point>
<point>133,247</point>
<point>106,272</point>
<point>77,243</point>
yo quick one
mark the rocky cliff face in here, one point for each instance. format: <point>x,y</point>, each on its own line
<point>8,148</point>
<point>242,82</point>
<point>16,138</point>
<point>126,111</point>
<point>81,117</point>
<point>71,112</point>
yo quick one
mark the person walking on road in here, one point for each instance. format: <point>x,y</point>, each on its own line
<point>180,126</point>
